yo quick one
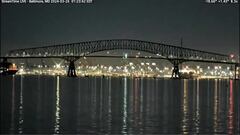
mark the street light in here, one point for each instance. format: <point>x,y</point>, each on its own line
<point>58,66</point>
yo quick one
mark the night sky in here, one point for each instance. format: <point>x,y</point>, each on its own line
<point>204,26</point>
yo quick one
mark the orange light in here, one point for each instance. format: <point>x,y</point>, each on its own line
<point>12,67</point>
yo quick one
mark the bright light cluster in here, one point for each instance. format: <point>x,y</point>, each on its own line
<point>142,69</point>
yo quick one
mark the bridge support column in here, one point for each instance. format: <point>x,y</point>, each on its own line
<point>71,70</point>
<point>175,71</point>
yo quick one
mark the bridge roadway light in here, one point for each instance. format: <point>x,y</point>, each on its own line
<point>58,66</point>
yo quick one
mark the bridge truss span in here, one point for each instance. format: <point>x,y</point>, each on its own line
<point>89,47</point>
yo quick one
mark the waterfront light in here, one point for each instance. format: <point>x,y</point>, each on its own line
<point>131,68</point>
<point>21,71</point>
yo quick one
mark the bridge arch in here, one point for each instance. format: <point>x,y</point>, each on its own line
<point>89,47</point>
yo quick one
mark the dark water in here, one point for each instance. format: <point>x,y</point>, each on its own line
<point>42,104</point>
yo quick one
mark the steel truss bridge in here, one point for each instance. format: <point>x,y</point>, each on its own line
<point>74,51</point>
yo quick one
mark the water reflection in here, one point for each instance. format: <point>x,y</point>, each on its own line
<point>197,112</point>
<point>215,106</point>
<point>124,127</point>
<point>185,123</point>
<point>57,114</point>
<point>230,110</point>
<point>109,105</point>
<point>105,105</point>
<point>21,118</point>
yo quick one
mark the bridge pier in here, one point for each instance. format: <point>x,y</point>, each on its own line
<point>71,69</point>
<point>175,71</point>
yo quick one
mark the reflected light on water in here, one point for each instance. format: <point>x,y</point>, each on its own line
<point>215,106</point>
<point>136,102</point>
<point>105,105</point>
<point>230,109</point>
<point>141,107</point>
<point>109,105</point>
<point>124,127</point>
<point>20,120</point>
<point>185,125</point>
<point>57,113</point>
<point>197,120</point>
